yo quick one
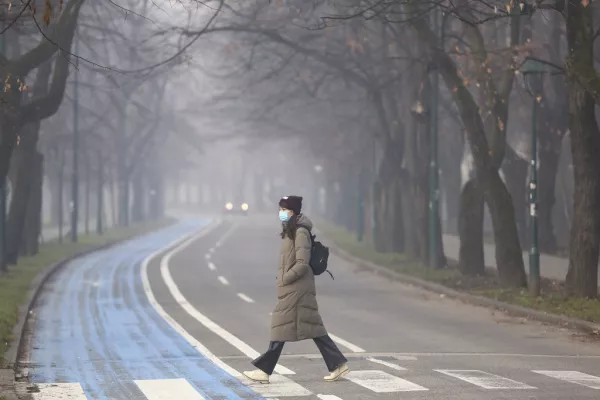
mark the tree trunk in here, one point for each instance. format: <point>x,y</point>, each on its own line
<point>113,198</point>
<point>54,199</point>
<point>100,194</point>
<point>471,259</point>
<point>24,173</point>
<point>553,124</point>
<point>123,200</point>
<point>451,185</point>
<point>61,189</point>
<point>33,220</point>
<point>86,204</point>
<point>582,277</point>
<point>397,228</point>
<point>380,218</point>
<point>138,209</point>
<point>509,257</point>
<point>549,156</point>
<point>515,170</point>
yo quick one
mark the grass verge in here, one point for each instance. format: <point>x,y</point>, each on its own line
<point>15,284</point>
<point>553,299</point>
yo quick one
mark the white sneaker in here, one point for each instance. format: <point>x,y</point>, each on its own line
<point>257,376</point>
<point>338,373</point>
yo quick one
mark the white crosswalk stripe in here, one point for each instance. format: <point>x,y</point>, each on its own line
<point>576,377</point>
<point>382,382</point>
<point>63,391</point>
<point>281,387</point>
<point>484,379</point>
<point>386,363</point>
<point>168,389</point>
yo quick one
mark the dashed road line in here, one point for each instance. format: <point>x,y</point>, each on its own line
<point>386,363</point>
<point>279,384</point>
<point>352,347</point>
<point>211,266</point>
<point>201,318</point>
<point>223,280</point>
<point>245,298</point>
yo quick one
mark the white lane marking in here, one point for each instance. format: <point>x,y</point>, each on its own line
<point>223,280</point>
<point>387,364</point>
<point>487,355</point>
<point>212,250</point>
<point>198,316</point>
<point>278,382</point>
<point>168,389</point>
<point>207,256</point>
<point>280,386</point>
<point>211,266</point>
<point>328,397</point>
<point>218,244</point>
<point>352,347</point>
<point>576,377</point>
<point>245,298</point>
<point>400,358</point>
<point>53,391</point>
<point>382,382</point>
<point>484,379</point>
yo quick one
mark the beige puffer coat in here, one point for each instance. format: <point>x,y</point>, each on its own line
<point>296,314</point>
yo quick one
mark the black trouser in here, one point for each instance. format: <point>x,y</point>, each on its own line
<point>331,354</point>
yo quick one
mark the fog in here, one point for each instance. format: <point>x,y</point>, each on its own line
<point>198,104</point>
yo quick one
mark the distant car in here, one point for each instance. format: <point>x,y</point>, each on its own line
<point>236,209</point>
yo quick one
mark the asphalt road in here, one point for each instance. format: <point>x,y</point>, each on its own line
<point>185,323</point>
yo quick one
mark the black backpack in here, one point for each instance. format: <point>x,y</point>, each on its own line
<point>319,254</point>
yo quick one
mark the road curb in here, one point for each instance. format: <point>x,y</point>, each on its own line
<point>15,350</point>
<point>515,310</point>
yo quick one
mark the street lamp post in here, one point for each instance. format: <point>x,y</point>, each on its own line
<point>372,196</point>
<point>360,211</point>
<point>533,70</point>
<point>433,163</point>
<point>3,196</point>
<point>75,172</point>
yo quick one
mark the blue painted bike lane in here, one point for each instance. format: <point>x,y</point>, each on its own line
<point>94,326</point>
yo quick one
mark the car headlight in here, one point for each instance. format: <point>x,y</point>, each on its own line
<point>245,207</point>
<point>229,206</point>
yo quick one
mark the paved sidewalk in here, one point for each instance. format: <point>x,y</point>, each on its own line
<point>550,266</point>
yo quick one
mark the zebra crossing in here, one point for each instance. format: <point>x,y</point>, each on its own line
<point>373,381</point>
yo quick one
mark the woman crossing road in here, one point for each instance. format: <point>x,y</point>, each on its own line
<point>296,315</point>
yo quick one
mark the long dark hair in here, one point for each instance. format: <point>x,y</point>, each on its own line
<point>289,228</point>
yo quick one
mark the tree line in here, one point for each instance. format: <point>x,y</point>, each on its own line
<point>353,83</point>
<point>369,91</point>
<point>85,112</point>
